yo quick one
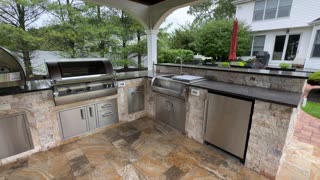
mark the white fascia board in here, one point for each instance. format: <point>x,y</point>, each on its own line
<point>237,2</point>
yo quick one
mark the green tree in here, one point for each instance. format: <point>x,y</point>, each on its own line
<point>130,35</point>
<point>184,38</point>
<point>163,39</point>
<point>212,10</point>
<point>16,19</point>
<point>139,47</point>
<point>215,39</point>
<point>69,32</point>
<point>100,19</point>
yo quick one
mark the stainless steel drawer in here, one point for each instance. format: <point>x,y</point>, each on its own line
<point>110,104</point>
<point>107,117</point>
<point>107,112</point>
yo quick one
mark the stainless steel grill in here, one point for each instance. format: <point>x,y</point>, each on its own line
<point>77,80</point>
<point>12,75</point>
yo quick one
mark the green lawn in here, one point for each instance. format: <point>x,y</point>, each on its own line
<point>313,109</point>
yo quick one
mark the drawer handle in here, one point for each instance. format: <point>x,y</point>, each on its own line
<point>107,115</point>
<point>134,92</point>
<point>106,106</point>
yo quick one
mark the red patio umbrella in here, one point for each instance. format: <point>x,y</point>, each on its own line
<point>234,41</point>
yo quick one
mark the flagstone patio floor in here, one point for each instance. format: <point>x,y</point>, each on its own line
<point>141,149</point>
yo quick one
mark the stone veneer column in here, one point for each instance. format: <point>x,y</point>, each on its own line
<point>196,109</point>
<point>269,129</point>
<point>149,100</point>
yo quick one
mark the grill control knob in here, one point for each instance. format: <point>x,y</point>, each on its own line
<point>69,91</point>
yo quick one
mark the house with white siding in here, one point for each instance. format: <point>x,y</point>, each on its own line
<point>288,29</point>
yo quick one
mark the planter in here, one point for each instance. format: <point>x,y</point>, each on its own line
<point>129,69</point>
<point>223,64</point>
<point>281,69</point>
<point>314,82</point>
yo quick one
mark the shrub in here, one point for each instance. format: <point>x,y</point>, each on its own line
<point>170,55</point>
<point>315,76</point>
<point>284,65</point>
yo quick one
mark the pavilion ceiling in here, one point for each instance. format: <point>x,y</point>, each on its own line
<point>147,2</point>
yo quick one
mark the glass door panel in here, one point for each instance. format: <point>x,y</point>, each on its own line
<point>278,48</point>
<point>292,47</point>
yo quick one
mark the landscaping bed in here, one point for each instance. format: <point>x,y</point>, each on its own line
<point>312,106</point>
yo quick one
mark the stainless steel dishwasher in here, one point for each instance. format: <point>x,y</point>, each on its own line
<point>228,123</point>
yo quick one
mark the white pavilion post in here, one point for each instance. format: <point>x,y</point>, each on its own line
<point>152,37</point>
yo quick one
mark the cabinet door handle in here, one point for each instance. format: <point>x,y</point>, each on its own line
<point>170,106</point>
<point>90,111</point>
<point>82,114</point>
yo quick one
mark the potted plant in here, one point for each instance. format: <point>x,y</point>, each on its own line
<point>285,66</point>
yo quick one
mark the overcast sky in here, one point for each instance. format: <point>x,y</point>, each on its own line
<point>177,18</point>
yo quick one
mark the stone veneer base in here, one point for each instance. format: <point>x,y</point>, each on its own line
<point>43,122</point>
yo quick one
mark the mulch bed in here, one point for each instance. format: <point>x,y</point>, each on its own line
<point>314,95</point>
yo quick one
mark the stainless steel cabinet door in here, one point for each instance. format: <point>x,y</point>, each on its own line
<point>14,135</point>
<point>73,122</point>
<point>227,123</point>
<point>171,111</point>
<point>135,99</point>
<point>107,112</point>
<point>162,109</point>
<point>92,117</point>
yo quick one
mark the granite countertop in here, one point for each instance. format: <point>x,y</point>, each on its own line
<point>31,86</point>
<point>292,74</point>
<point>269,95</point>
<point>264,94</point>
<point>41,85</point>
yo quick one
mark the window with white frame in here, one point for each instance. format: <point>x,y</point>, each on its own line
<point>271,9</point>
<point>257,45</point>
<point>316,46</point>
<point>286,47</point>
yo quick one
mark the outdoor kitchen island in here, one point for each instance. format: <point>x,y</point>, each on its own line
<point>276,96</point>
<point>273,116</point>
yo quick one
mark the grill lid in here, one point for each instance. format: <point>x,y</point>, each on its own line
<point>69,71</point>
<point>12,73</point>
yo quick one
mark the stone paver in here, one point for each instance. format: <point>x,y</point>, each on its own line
<point>135,150</point>
<point>301,157</point>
